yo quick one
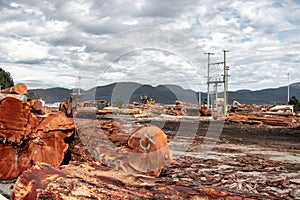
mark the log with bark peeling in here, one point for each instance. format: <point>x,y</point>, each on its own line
<point>26,140</point>
<point>132,149</point>
<point>95,181</point>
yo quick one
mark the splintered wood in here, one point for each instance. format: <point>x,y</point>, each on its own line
<point>95,181</point>
<point>26,140</point>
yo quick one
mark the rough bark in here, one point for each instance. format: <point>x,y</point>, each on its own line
<point>26,140</point>
<point>122,146</point>
<point>95,181</point>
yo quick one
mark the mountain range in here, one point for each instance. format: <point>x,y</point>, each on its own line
<point>129,92</point>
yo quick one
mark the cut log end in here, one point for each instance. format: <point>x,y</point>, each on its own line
<point>20,88</point>
<point>25,140</point>
<point>149,150</point>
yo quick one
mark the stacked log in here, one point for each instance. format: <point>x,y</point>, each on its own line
<point>203,111</point>
<point>182,109</point>
<point>36,106</point>
<point>176,110</point>
<point>20,88</point>
<point>261,120</point>
<point>26,139</point>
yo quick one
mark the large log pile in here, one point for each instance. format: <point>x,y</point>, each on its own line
<point>263,120</point>
<point>26,138</point>
<point>182,109</point>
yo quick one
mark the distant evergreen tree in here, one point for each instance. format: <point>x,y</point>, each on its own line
<point>6,80</point>
<point>295,102</point>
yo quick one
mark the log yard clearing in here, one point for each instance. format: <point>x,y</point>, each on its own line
<point>146,151</point>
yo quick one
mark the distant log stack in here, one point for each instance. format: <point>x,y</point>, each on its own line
<point>263,120</point>
<point>182,109</point>
<point>26,140</point>
<point>176,110</point>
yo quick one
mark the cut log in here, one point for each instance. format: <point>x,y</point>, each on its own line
<point>55,122</point>
<point>95,181</point>
<point>38,177</point>
<point>20,88</point>
<point>149,150</point>
<point>36,104</point>
<point>271,120</point>
<point>15,120</point>
<point>26,140</point>
<point>125,147</point>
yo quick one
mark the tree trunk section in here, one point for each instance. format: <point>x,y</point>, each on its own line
<point>26,140</point>
<point>20,88</point>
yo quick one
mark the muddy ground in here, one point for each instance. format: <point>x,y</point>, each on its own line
<point>244,160</point>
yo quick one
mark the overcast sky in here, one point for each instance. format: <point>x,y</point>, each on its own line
<point>87,43</point>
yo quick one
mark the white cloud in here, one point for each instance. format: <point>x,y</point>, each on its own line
<point>65,38</point>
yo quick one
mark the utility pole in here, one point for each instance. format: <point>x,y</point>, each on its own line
<point>288,94</point>
<point>216,86</point>
<point>79,78</point>
<point>225,80</point>
<point>208,79</point>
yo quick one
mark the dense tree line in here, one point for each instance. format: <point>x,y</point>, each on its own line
<point>6,80</point>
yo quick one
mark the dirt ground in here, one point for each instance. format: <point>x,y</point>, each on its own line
<point>244,160</point>
<point>254,162</point>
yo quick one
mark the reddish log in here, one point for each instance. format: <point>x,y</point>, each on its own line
<point>15,120</point>
<point>95,181</point>
<point>25,140</point>
<point>272,120</point>
<point>134,156</point>
<point>149,150</point>
<point>55,122</point>
<point>36,105</point>
<point>20,88</point>
<point>114,132</point>
<point>38,177</point>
